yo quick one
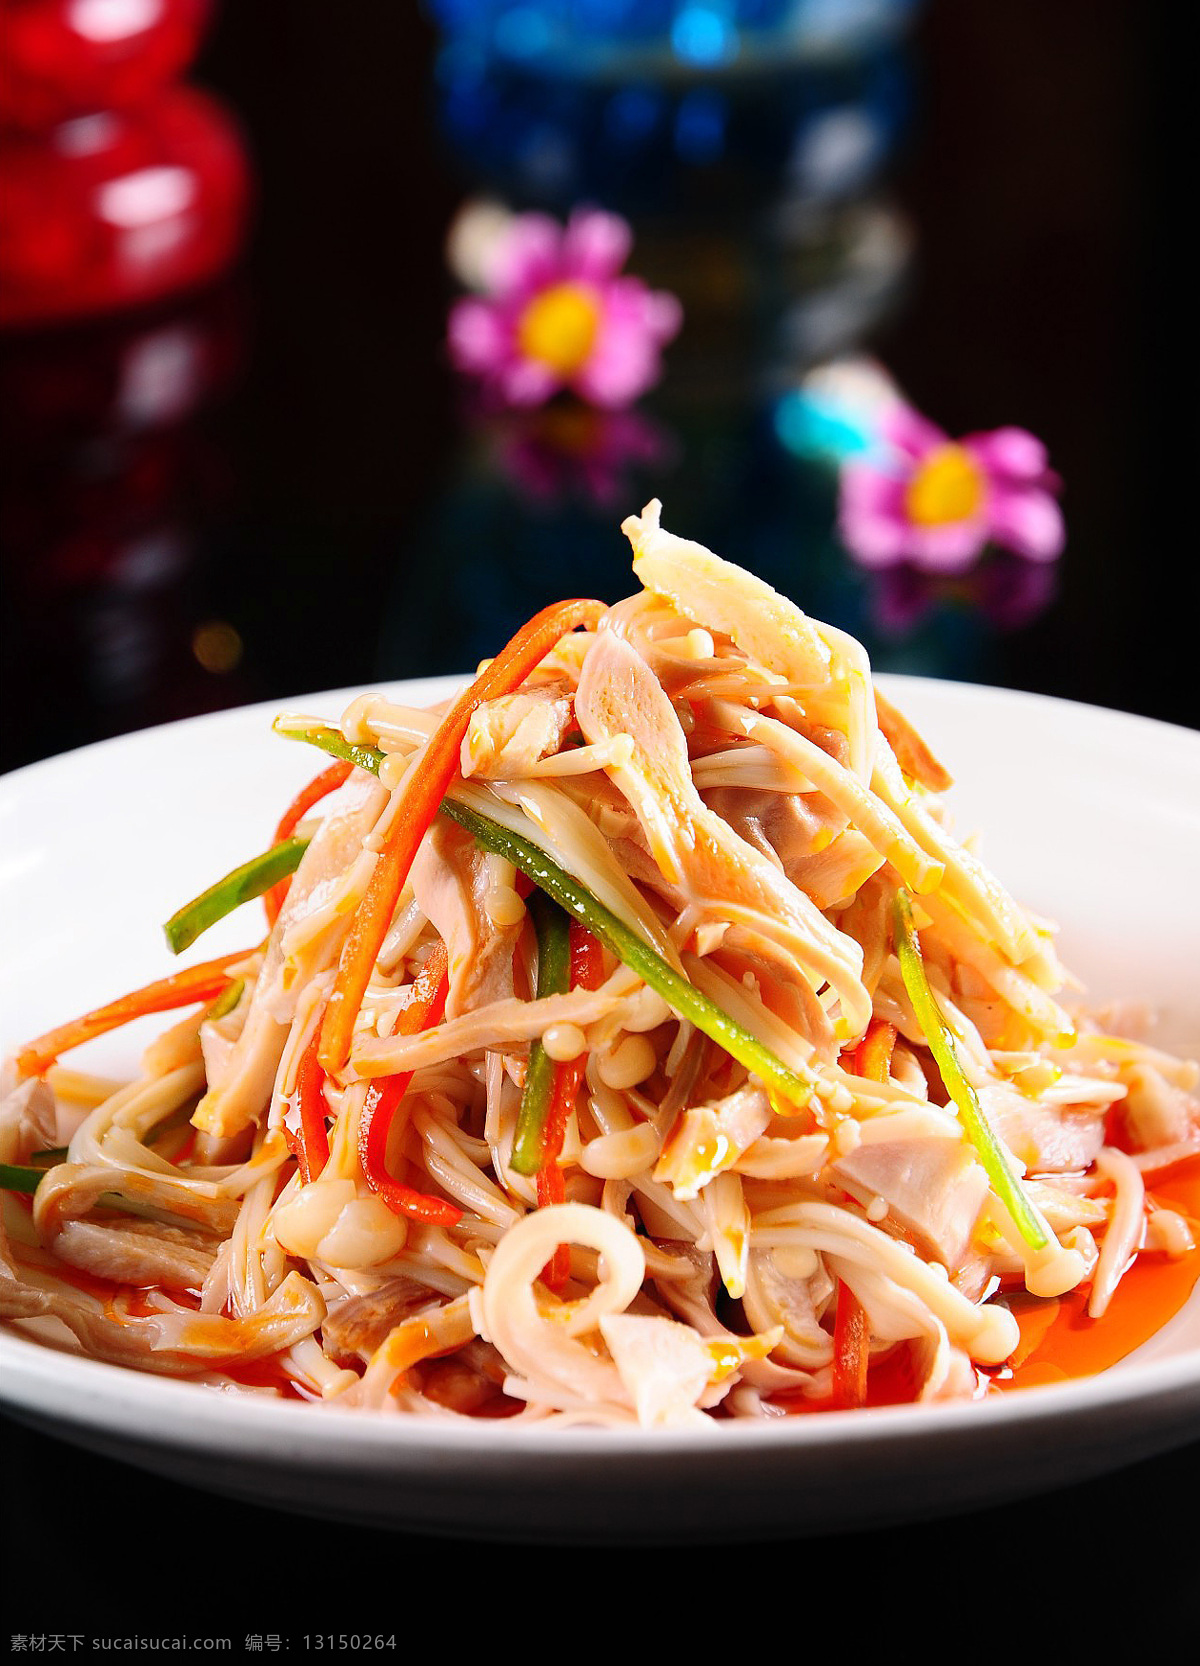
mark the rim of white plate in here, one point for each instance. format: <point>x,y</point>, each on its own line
<point>175,1409</point>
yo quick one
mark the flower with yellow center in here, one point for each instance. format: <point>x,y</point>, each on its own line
<point>948,486</point>
<point>556,312</point>
<point>917,496</point>
<point>558,327</point>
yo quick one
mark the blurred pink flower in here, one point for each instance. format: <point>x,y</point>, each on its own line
<point>557,313</point>
<point>937,503</point>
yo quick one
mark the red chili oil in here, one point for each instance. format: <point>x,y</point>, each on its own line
<point>1058,1339</point>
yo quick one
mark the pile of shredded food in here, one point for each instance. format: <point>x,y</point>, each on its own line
<point>632,1041</point>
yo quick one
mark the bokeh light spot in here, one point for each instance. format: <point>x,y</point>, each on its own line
<point>217,646</point>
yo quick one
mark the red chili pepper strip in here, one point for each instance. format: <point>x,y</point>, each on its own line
<point>328,781</point>
<point>587,972</point>
<point>568,1078</point>
<point>873,1056</point>
<point>312,1152</point>
<point>183,989</point>
<point>587,958</point>
<point>851,1350</point>
<point>552,1188</point>
<point>428,1003</point>
<point>550,1183</point>
<point>420,802</point>
<point>418,1206</point>
<point>851,1332</point>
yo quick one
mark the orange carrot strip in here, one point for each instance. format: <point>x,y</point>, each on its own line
<point>328,781</point>
<point>851,1350</point>
<point>430,988</point>
<point>183,989</point>
<point>422,796</point>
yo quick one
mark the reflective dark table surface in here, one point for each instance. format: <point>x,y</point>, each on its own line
<point>276,485</point>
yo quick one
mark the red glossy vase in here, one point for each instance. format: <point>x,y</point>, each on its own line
<point>66,58</point>
<point>118,208</point>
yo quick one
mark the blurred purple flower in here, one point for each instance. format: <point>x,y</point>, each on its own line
<point>557,313</point>
<point>937,503</point>
<point>1009,593</point>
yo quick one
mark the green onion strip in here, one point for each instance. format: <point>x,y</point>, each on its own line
<point>225,1001</point>
<point>553,978</point>
<point>261,872</point>
<point>21,1177</point>
<point>333,741</point>
<point>24,1177</point>
<point>940,1040</point>
<point>249,880</point>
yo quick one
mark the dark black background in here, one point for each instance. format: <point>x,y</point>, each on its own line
<point>318,493</point>
<point>1047,289</point>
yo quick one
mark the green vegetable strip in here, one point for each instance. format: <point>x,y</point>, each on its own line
<point>260,872</point>
<point>41,1162</point>
<point>225,1001</point>
<point>170,1124</point>
<point>681,996</point>
<point>24,1177</point>
<point>940,1041</point>
<point>16,1177</point>
<point>332,740</point>
<point>553,978</point>
<point>250,880</point>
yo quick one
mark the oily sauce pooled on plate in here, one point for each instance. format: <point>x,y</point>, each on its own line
<point>1059,1341</point>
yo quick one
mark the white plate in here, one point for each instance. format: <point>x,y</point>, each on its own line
<point>1091,817</point>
